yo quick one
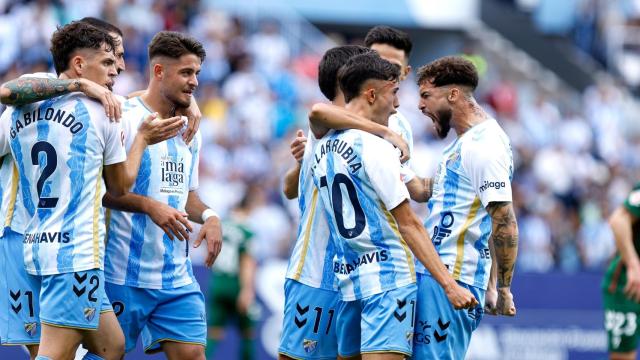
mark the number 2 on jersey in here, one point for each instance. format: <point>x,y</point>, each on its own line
<point>336,205</point>
<point>50,164</point>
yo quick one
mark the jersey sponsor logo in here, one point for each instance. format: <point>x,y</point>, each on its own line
<point>309,346</point>
<point>48,114</point>
<point>341,148</point>
<point>172,174</point>
<point>492,184</point>
<point>370,258</point>
<point>443,230</point>
<point>47,237</point>
<point>421,335</point>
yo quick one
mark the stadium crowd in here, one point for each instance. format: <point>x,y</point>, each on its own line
<point>573,152</point>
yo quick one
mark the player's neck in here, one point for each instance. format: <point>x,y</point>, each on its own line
<point>360,107</point>
<point>467,116</point>
<point>157,103</point>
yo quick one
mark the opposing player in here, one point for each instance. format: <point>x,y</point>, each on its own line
<point>471,202</point>
<point>621,285</point>
<point>149,276</point>
<point>310,282</point>
<point>62,151</point>
<point>358,178</point>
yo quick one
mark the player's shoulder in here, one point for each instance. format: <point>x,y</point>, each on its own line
<point>40,75</point>
<point>486,135</point>
<point>398,119</point>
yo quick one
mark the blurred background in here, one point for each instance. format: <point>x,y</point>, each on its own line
<point>561,77</point>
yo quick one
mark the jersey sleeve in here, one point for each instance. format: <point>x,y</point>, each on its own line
<point>382,164</point>
<point>489,169</point>
<point>632,202</point>
<point>114,151</point>
<point>5,132</point>
<point>406,174</point>
<point>195,147</point>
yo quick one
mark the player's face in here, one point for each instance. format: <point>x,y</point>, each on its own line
<point>386,99</point>
<point>394,56</point>
<point>433,103</point>
<point>181,79</point>
<point>100,67</point>
<point>119,52</point>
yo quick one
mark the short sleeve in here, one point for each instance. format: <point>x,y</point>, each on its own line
<point>114,151</point>
<point>382,165</point>
<point>489,169</point>
<point>406,174</point>
<point>195,147</point>
<point>5,132</point>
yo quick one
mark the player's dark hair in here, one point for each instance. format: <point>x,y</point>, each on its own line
<point>449,70</point>
<point>173,45</point>
<point>102,25</point>
<point>74,36</point>
<point>330,64</point>
<point>387,35</point>
<point>361,68</point>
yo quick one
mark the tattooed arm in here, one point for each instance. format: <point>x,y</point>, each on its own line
<point>27,90</point>
<point>504,235</point>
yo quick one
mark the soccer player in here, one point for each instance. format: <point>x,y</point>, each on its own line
<point>621,285</point>
<point>358,178</point>
<point>310,282</point>
<point>231,285</point>
<point>149,277</point>
<point>62,151</point>
<point>471,202</point>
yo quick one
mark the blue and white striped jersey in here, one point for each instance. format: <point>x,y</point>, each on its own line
<point>400,124</point>
<point>311,261</point>
<point>139,253</point>
<point>358,177</point>
<point>475,170</point>
<point>60,147</point>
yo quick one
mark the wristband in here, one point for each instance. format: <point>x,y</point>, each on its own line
<point>207,214</point>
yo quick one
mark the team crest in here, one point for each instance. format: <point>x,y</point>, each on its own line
<point>89,313</point>
<point>30,328</point>
<point>409,337</point>
<point>309,345</point>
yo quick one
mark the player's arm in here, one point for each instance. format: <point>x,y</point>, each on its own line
<point>491,295</point>
<point>290,186</point>
<point>417,238</point>
<point>324,117</point>
<point>247,276</point>
<point>504,235</point>
<point>27,90</point>
<point>173,222</point>
<point>621,222</point>
<point>420,189</point>
<point>211,230</point>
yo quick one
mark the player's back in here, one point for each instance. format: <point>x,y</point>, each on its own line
<point>358,176</point>
<point>60,146</point>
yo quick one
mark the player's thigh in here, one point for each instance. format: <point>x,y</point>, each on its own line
<point>181,351</point>
<point>131,307</point>
<point>309,322</point>
<point>179,317</point>
<point>383,356</point>
<point>622,323</point>
<point>631,355</point>
<point>19,295</point>
<point>107,341</point>
<point>59,342</point>
<point>387,323</point>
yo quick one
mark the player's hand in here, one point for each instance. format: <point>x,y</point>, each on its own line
<point>505,304</point>
<point>244,301</point>
<point>174,223</point>
<point>398,142</point>
<point>632,288</point>
<point>156,130</point>
<point>194,115</point>
<point>211,231</point>
<point>297,145</point>
<point>460,297</point>
<point>491,300</point>
<point>112,106</point>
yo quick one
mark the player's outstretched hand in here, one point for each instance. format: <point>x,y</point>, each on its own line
<point>156,130</point>
<point>491,301</point>
<point>112,106</point>
<point>398,142</point>
<point>298,144</point>
<point>244,301</point>
<point>505,304</point>
<point>173,222</point>
<point>193,115</point>
<point>211,231</point>
<point>632,288</point>
<point>460,297</point>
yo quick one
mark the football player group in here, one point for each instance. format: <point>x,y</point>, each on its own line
<point>95,193</point>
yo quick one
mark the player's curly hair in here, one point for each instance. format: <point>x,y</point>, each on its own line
<point>330,64</point>
<point>361,68</point>
<point>75,36</point>
<point>387,35</point>
<point>173,45</point>
<point>449,70</point>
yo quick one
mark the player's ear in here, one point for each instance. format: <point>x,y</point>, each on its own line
<point>370,95</point>
<point>405,72</point>
<point>454,93</point>
<point>76,64</point>
<point>158,70</point>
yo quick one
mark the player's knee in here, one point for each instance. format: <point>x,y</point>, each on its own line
<point>623,356</point>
